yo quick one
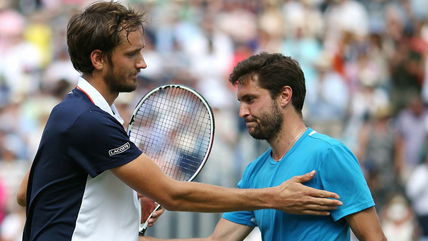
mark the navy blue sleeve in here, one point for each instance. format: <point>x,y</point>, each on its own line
<point>97,142</point>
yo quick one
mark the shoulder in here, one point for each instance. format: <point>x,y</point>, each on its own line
<point>78,116</point>
<point>72,106</point>
<point>322,139</point>
<point>320,142</point>
<point>95,124</point>
<point>328,149</point>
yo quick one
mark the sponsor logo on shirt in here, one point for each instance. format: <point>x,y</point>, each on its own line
<point>119,149</point>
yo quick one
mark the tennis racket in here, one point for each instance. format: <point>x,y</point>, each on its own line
<point>173,125</point>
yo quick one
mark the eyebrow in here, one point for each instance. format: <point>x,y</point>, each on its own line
<point>134,50</point>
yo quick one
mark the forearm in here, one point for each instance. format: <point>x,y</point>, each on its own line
<point>208,198</point>
<point>145,177</point>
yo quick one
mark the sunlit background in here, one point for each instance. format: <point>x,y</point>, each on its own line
<point>366,68</point>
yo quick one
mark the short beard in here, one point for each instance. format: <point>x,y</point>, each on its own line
<point>115,84</point>
<point>269,125</point>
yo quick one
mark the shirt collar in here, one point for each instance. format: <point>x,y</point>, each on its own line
<point>98,99</point>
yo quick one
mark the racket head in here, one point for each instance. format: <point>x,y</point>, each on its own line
<point>174,125</point>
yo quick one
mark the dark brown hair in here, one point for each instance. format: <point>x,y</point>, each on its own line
<point>99,27</point>
<point>274,71</point>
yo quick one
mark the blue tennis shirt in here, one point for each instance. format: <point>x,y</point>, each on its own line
<point>71,194</point>
<point>337,171</point>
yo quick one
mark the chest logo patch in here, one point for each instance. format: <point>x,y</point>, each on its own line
<point>119,149</point>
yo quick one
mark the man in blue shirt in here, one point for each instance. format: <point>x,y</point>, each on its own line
<point>271,91</point>
<point>84,180</point>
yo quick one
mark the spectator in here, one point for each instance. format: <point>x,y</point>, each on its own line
<point>411,126</point>
<point>416,189</point>
<point>327,100</point>
<point>398,220</point>
<point>19,58</point>
<point>377,152</point>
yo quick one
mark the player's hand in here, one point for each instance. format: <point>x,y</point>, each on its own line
<point>301,199</point>
<point>147,207</point>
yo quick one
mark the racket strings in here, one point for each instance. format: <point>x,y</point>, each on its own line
<point>173,127</point>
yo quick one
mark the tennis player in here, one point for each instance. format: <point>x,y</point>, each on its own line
<point>83,180</point>
<point>271,91</point>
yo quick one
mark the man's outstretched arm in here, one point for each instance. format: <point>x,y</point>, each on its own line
<point>292,196</point>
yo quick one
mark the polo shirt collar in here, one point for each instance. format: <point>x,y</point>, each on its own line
<point>98,99</point>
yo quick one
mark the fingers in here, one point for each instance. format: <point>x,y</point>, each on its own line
<point>155,216</point>
<point>308,200</point>
<point>322,193</point>
<point>315,212</point>
<point>329,202</point>
<point>304,178</point>
<point>320,204</point>
<point>312,191</point>
<point>315,206</point>
<point>319,208</point>
<point>159,212</point>
<point>324,198</point>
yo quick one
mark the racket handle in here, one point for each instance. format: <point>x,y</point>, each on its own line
<point>144,226</point>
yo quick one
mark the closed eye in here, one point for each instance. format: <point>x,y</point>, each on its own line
<point>132,54</point>
<point>247,99</point>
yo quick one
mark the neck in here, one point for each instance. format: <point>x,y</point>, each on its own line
<point>100,85</point>
<point>292,130</point>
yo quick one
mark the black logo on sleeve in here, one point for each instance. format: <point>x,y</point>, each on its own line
<point>119,149</point>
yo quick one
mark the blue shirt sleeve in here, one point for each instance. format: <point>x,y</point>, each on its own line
<point>341,173</point>
<point>242,217</point>
<point>98,142</point>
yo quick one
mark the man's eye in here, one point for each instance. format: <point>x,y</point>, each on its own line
<point>250,99</point>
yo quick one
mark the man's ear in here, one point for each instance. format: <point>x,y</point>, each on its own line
<point>97,59</point>
<point>285,96</point>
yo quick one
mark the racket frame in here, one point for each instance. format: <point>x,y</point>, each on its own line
<point>143,227</point>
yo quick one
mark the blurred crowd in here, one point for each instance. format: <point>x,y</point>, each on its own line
<point>366,69</point>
